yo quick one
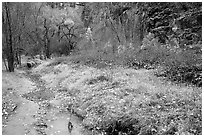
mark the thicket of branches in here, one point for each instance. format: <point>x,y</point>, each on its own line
<point>136,34</point>
<point>147,35</point>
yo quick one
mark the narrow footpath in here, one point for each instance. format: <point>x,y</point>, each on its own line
<point>37,112</point>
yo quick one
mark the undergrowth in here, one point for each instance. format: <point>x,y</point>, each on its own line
<point>117,111</point>
<point>183,66</point>
<point>113,110</point>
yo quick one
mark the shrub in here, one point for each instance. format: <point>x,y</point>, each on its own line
<point>63,48</point>
<point>185,67</point>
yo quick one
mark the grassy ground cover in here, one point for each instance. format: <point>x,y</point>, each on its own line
<point>124,100</point>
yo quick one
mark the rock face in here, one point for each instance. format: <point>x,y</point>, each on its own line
<point>30,64</point>
<point>33,62</point>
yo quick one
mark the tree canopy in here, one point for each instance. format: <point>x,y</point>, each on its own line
<point>60,27</point>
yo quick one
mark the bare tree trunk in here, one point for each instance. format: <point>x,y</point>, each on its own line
<point>47,40</point>
<point>4,60</point>
<point>16,57</point>
<point>47,52</point>
<point>42,54</point>
<point>141,29</point>
<point>9,39</point>
<point>116,33</point>
<point>19,58</point>
<point>47,48</point>
<point>19,51</point>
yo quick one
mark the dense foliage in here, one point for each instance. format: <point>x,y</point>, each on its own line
<point>175,20</point>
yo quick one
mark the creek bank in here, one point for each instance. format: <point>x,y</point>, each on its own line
<point>52,116</point>
<point>37,112</point>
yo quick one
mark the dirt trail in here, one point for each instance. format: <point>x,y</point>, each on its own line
<point>20,122</point>
<point>37,113</point>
